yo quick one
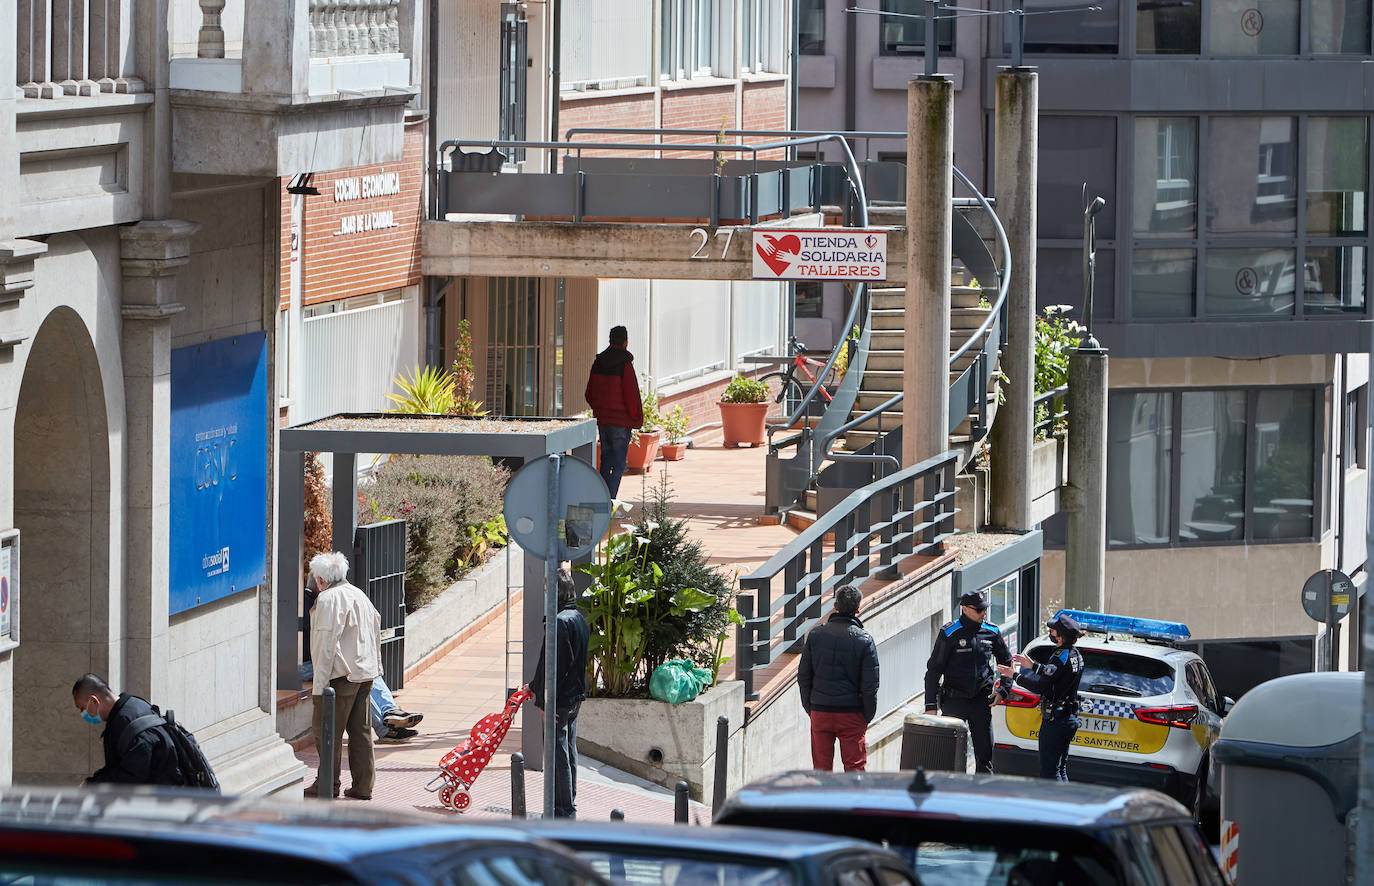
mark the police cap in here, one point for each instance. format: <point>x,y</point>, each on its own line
<point>1065,625</point>
<point>973,600</point>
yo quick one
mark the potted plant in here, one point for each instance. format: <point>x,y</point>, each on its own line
<point>743,410</point>
<point>674,433</point>
<point>644,441</point>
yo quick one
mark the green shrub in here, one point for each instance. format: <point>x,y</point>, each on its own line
<point>743,389</point>
<point>452,508</point>
<point>675,425</point>
<point>653,597</point>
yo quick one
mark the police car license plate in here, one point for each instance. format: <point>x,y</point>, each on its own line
<point>1100,725</point>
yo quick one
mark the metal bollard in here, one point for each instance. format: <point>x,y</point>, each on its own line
<point>722,764</point>
<point>517,785</point>
<point>325,778</point>
<point>680,803</point>
<point>617,815</point>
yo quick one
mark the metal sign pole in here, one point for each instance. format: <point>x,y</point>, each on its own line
<point>551,635</point>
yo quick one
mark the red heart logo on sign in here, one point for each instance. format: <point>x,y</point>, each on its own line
<point>779,252</point>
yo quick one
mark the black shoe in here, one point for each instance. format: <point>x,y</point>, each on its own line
<point>398,735</point>
<point>399,719</point>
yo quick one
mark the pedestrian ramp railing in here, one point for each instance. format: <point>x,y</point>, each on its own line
<point>906,513</point>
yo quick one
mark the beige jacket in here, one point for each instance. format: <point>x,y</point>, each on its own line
<point>345,637</point>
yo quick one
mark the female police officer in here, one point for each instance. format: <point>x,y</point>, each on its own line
<point>1056,682</point>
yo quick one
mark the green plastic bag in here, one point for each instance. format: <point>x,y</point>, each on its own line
<point>678,680</point>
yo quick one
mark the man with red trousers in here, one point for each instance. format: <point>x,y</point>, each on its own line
<point>613,395</point>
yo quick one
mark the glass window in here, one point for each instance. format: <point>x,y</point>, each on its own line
<point>654,869</point>
<point>1337,176</point>
<point>1163,283</point>
<point>1059,280</point>
<point>1247,197</point>
<point>1211,488</point>
<point>1168,26</point>
<point>1002,603</point>
<point>1118,673</point>
<point>1139,453</point>
<point>810,298</point>
<point>1165,185</point>
<point>1250,281</point>
<point>1172,856</point>
<point>1081,31</point>
<point>811,25</point>
<point>1284,426</point>
<point>1340,27</point>
<point>907,36</point>
<point>1333,277</point>
<point>1253,27</point>
<point>1075,151</point>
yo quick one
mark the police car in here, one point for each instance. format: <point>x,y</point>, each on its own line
<point>1148,711</point>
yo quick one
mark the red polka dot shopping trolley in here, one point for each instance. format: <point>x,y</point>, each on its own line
<point>460,767</point>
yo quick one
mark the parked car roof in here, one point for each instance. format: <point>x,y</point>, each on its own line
<point>955,796</point>
<point>159,823</point>
<point>777,845</point>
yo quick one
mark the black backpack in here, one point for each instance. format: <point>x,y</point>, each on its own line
<point>190,758</point>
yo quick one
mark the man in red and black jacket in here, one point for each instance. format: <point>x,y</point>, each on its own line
<point>613,395</point>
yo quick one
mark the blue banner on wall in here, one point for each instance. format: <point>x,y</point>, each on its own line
<point>219,469</point>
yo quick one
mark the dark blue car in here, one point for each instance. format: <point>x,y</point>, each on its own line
<point>91,837</point>
<point>991,830</point>
<point>679,855</point>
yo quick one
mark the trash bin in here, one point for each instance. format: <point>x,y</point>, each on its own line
<point>935,743</point>
<point>1289,754</point>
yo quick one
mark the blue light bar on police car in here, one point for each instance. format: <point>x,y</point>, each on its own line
<point>1148,628</point>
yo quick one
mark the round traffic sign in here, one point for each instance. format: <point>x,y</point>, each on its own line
<point>1328,595</point>
<point>583,508</point>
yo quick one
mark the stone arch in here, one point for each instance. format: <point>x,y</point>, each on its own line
<point>62,507</point>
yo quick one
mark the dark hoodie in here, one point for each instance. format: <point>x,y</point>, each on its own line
<point>613,390</point>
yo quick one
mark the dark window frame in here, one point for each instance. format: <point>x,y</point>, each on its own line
<point>816,46</point>
<point>945,30</point>
<point>1252,394</point>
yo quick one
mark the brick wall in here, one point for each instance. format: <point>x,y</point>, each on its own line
<point>700,403</point>
<point>765,107</point>
<point>341,262</point>
<point>706,107</point>
<point>629,110</point>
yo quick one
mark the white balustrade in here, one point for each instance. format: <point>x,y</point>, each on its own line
<point>211,42</point>
<point>354,27</point>
<point>72,47</point>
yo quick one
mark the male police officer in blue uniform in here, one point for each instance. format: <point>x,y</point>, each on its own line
<point>970,688</point>
<point>1056,682</point>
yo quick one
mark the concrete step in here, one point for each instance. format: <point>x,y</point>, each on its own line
<point>967,296</point>
<point>872,400</point>
<point>883,361</point>
<point>894,300</point>
<point>888,318</point>
<point>887,340</point>
<point>966,319</point>
<point>879,380</point>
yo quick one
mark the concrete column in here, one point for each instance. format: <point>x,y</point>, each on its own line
<point>1085,554</point>
<point>276,48</point>
<point>151,254</point>
<point>929,204</point>
<point>1012,436</point>
<point>9,146</point>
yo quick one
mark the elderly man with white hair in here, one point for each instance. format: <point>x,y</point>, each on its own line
<point>346,648</point>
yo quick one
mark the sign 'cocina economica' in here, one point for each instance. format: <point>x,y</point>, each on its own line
<point>825,254</point>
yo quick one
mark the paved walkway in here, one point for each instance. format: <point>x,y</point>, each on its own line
<point>720,492</point>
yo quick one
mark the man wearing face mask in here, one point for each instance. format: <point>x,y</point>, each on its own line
<point>150,758</point>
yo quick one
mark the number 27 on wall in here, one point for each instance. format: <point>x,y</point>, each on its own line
<point>702,251</point>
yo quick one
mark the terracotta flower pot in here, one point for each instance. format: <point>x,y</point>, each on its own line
<point>743,423</point>
<point>673,451</point>
<point>642,451</point>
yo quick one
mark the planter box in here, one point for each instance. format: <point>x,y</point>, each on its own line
<point>673,451</point>
<point>642,452</point>
<point>743,423</point>
<point>666,743</point>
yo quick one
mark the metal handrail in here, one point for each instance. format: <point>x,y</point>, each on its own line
<point>911,520</point>
<point>1047,424</point>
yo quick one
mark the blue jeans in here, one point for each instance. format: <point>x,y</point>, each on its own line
<point>1055,738</point>
<point>379,700</point>
<point>565,767</point>
<point>615,448</point>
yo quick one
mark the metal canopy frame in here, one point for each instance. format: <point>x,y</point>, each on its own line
<point>410,438</point>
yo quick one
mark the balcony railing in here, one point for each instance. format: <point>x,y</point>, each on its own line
<point>74,47</point>
<point>357,27</point>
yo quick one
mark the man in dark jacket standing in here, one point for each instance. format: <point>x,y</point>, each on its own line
<point>149,758</point>
<point>838,679</point>
<point>572,637</point>
<point>959,676</point>
<point>613,394</point>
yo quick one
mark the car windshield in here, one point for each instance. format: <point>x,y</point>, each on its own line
<point>654,869</point>
<point>1118,673</point>
<point>956,852</point>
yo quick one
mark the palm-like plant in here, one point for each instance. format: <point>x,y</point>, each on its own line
<point>427,390</point>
